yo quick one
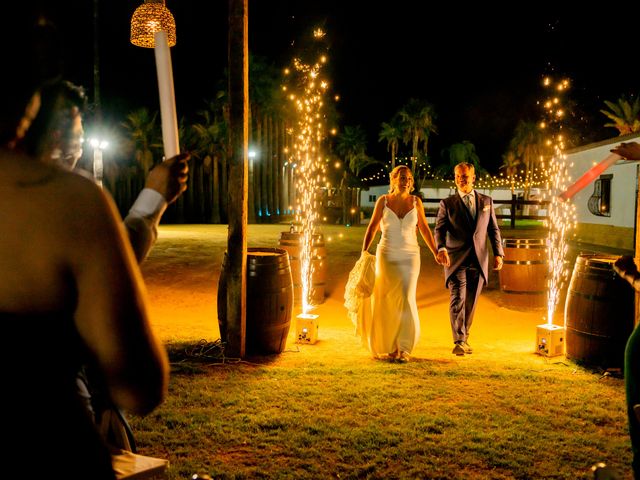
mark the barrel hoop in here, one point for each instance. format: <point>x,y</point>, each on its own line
<point>597,275</point>
<point>274,327</point>
<point>530,292</point>
<point>312,286</point>
<point>255,273</point>
<point>608,260</point>
<point>597,298</point>
<point>278,291</point>
<point>586,334</point>
<point>313,257</point>
<point>525,262</point>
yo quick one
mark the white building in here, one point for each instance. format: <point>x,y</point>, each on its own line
<point>606,208</point>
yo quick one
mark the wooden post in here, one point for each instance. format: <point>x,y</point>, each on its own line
<point>238,176</point>
<point>637,239</point>
<point>514,205</point>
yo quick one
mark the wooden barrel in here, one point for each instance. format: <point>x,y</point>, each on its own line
<point>291,242</point>
<point>523,278</point>
<point>269,300</point>
<point>599,312</point>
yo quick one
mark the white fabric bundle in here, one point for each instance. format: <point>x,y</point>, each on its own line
<point>357,291</point>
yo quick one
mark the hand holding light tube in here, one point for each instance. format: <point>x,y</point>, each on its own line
<point>589,176</point>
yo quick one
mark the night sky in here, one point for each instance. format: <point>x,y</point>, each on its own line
<point>481,72</point>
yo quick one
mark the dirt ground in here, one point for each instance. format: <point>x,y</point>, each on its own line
<point>183,269</point>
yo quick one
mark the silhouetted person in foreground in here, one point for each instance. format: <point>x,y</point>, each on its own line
<point>626,268</point>
<point>70,293</point>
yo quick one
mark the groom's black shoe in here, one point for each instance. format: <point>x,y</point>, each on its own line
<point>467,348</point>
<point>458,349</point>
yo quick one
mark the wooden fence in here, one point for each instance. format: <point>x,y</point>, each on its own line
<point>515,209</point>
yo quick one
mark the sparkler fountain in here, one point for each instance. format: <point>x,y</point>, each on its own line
<point>308,133</point>
<point>561,218</point>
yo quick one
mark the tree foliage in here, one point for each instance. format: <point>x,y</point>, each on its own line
<point>624,115</point>
<point>458,153</point>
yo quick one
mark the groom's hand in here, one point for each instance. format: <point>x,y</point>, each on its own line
<point>443,258</point>
<point>497,263</point>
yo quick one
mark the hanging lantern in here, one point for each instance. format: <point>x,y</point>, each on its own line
<point>153,26</point>
<point>151,17</point>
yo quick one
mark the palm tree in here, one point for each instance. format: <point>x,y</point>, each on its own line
<point>210,147</point>
<point>510,165</point>
<point>458,153</point>
<point>351,146</point>
<point>144,139</point>
<point>352,143</point>
<point>190,206</point>
<point>391,133</point>
<point>529,146</point>
<point>625,116</point>
<point>144,136</point>
<point>417,118</point>
<point>264,95</point>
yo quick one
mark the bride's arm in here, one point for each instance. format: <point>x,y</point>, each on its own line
<point>425,231</point>
<point>374,224</point>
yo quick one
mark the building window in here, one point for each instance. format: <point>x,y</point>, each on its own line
<point>372,198</point>
<point>600,202</point>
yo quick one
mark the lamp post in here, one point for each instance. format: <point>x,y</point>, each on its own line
<point>153,26</point>
<point>98,146</point>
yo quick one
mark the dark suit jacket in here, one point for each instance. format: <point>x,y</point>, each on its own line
<point>460,234</point>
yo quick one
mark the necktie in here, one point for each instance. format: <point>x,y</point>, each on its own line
<point>469,203</point>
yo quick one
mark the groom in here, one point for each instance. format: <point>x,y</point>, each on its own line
<point>464,221</point>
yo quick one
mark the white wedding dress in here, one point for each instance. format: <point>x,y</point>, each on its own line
<point>395,325</point>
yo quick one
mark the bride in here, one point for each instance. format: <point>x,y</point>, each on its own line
<point>394,328</point>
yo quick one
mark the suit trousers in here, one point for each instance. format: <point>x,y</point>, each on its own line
<point>465,285</point>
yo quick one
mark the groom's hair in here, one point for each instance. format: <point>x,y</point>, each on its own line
<point>465,165</point>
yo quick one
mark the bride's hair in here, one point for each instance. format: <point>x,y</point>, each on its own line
<point>393,176</point>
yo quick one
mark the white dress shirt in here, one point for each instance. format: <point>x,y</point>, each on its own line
<point>142,221</point>
<point>471,199</point>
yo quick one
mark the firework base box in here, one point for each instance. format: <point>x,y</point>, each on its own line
<point>550,340</point>
<point>307,328</point>
<point>130,466</point>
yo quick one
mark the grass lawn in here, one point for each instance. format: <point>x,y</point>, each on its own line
<point>330,411</point>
